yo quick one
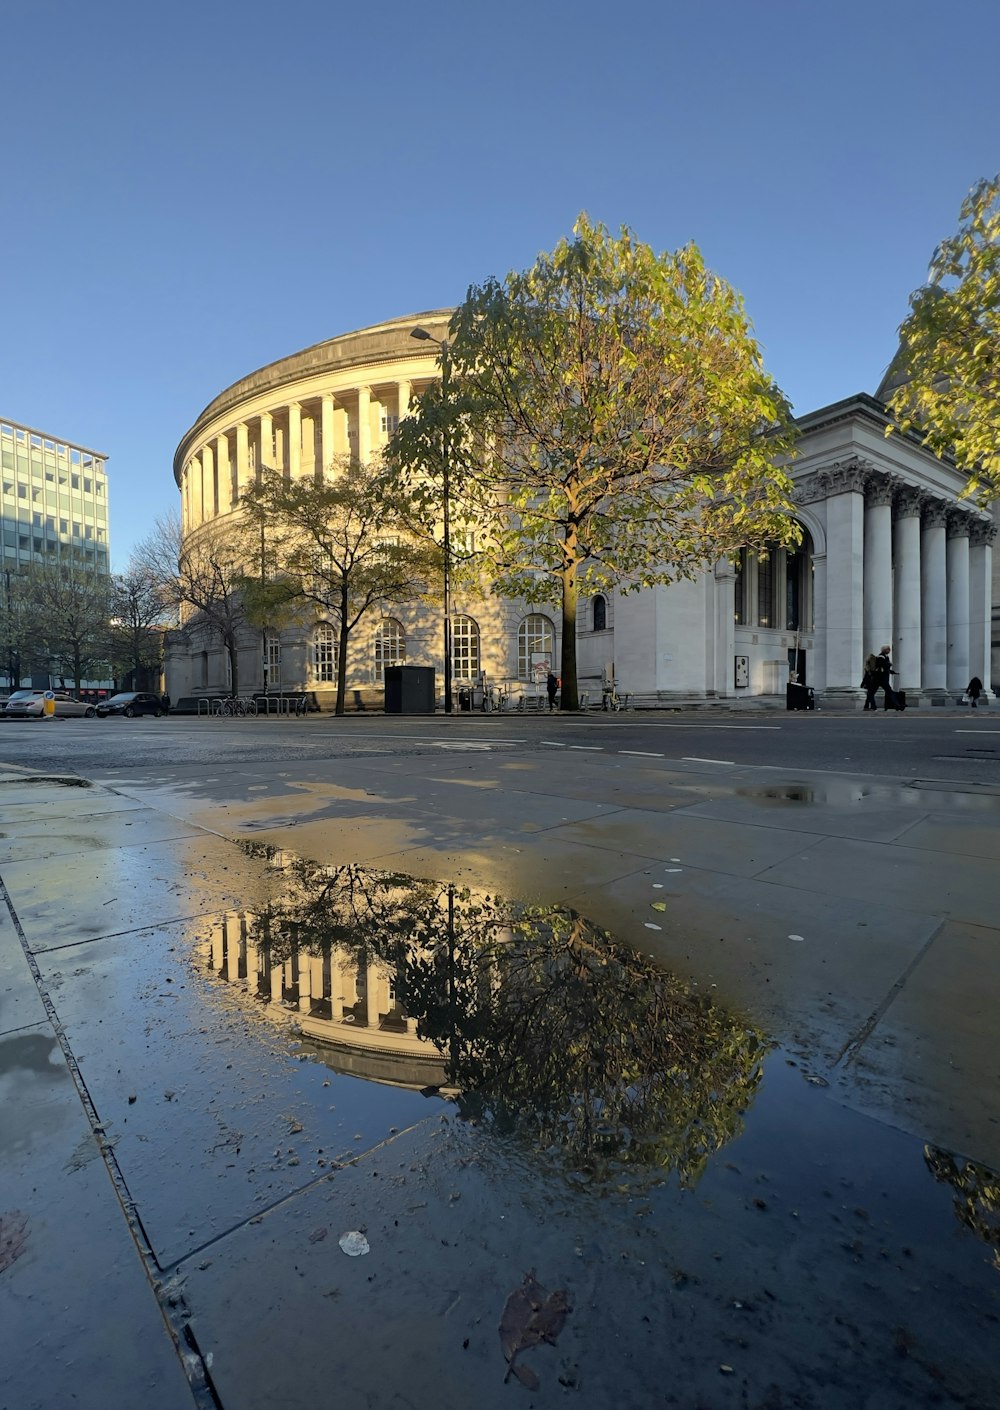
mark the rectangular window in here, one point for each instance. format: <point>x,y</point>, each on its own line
<point>86,486</point>
<point>765,590</point>
<point>389,422</point>
<point>75,480</point>
<point>740,590</point>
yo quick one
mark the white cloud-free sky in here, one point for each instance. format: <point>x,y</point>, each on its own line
<point>192,190</point>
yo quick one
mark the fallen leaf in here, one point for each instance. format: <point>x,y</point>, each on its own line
<point>530,1315</point>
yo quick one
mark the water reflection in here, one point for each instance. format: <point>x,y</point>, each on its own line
<point>976,1191</point>
<point>532,1019</point>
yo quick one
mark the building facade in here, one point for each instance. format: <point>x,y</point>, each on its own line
<point>890,554</point>
<point>55,500</point>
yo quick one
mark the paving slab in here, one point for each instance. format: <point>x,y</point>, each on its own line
<point>119,827</point>
<point>118,889</point>
<point>959,887</point>
<point>736,1292</point>
<point>20,1002</point>
<point>211,1113</point>
<point>80,1323</point>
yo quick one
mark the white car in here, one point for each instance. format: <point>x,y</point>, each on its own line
<point>30,704</point>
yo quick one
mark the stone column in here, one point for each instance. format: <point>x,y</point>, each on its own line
<point>326,431</point>
<point>933,598</point>
<point>403,389</point>
<point>722,683</point>
<point>266,457</point>
<point>364,425</point>
<point>294,440</point>
<point>816,669</point>
<point>223,493</point>
<point>845,519</point>
<point>980,599</point>
<point>209,493</point>
<point>242,475</point>
<point>906,585</point>
<point>186,498</point>
<point>878,564</point>
<point>958,601</point>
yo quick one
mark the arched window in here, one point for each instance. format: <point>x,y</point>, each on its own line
<point>324,653</point>
<point>390,647</point>
<point>600,610</point>
<point>465,648</point>
<point>535,639</point>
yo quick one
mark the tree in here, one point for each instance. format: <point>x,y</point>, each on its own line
<point>18,625</point>
<point>608,424</point>
<point>204,571</point>
<point>340,547</point>
<point>947,371</point>
<point>71,603</point>
<point>138,609</point>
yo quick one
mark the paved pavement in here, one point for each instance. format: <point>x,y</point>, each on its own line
<point>171,1167</point>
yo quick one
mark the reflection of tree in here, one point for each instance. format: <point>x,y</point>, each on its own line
<point>977,1194</point>
<point>552,1031</point>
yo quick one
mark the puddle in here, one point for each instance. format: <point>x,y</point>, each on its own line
<point>840,792</point>
<point>532,1021</point>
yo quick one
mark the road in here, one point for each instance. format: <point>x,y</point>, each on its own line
<point>961,747</point>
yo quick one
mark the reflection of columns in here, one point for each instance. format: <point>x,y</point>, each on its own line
<point>364,425</point>
<point>724,664</point>
<point>933,598</point>
<point>218,946</point>
<point>304,980</point>
<point>958,601</point>
<point>266,440</point>
<point>336,987</point>
<point>845,518</point>
<point>906,583</point>
<point>326,431</point>
<point>277,976</point>
<point>294,440</point>
<point>242,474</point>
<point>980,599</point>
<point>878,565</point>
<point>371,995</point>
<point>233,938</point>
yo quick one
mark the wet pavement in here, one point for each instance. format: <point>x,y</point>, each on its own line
<point>712,1057</point>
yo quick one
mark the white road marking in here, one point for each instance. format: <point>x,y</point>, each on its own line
<point>692,759</point>
<point>977,731</point>
<point>593,748</point>
<point>641,753</point>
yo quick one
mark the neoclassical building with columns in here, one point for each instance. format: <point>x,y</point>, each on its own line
<point>890,554</point>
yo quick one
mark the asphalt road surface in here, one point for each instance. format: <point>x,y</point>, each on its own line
<point>956,746</point>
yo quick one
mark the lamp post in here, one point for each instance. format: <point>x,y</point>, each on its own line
<point>422,335</point>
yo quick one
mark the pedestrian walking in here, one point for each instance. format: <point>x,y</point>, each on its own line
<point>974,690</point>
<point>884,672</point>
<point>869,681</point>
<point>551,687</point>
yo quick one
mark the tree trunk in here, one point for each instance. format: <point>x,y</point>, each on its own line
<point>234,669</point>
<point>342,653</point>
<point>569,694</point>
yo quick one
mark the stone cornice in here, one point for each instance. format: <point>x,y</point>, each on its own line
<point>363,349</point>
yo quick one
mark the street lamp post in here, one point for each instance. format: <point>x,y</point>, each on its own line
<point>442,343</point>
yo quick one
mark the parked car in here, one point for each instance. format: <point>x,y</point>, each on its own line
<point>131,702</point>
<point>30,704</point>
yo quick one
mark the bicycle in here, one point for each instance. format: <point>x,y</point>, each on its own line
<point>612,700</point>
<point>236,707</point>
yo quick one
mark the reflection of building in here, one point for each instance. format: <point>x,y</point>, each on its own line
<point>889,555</point>
<point>349,1007</point>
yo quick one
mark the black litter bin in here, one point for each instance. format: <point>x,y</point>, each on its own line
<point>409,690</point>
<point>465,699</point>
<point>799,697</point>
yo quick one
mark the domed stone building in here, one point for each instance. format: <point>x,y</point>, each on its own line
<point>889,554</point>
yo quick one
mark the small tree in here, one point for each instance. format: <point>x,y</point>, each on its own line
<point>948,365</point>
<point>608,421</point>
<point>19,627</point>
<point>340,547</point>
<point>203,571</point>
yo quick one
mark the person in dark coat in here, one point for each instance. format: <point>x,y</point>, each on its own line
<point>974,690</point>
<point>551,687</point>
<point>883,671</point>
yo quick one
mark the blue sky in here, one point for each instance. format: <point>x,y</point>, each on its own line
<point>195,189</point>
